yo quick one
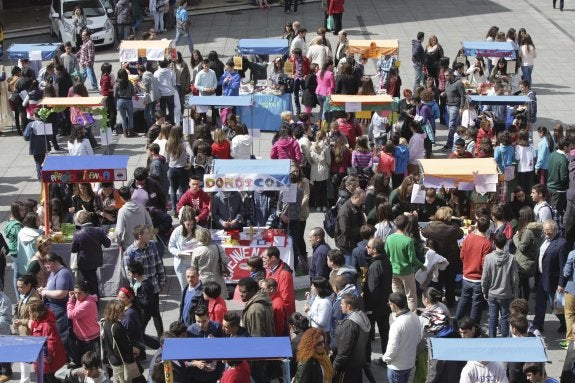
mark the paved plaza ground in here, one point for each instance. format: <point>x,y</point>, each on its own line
<point>452,21</point>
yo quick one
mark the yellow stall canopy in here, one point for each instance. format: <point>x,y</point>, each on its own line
<point>478,174</point>
<point>374,49</point>
<point>153,50</point>
<point>73,101</point>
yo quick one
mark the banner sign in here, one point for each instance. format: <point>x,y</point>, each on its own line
<point>239,256</point>
<point>95,175</point>
<point>244,182</point>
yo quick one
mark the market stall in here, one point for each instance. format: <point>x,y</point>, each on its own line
<point>234,348</point>
<point>32,52</point>
<point>374,49</point>
<point>357,103</point>
<point>88,106</point>
<point>251,175</point>
<point>278,47</point>
<point>26,349</point>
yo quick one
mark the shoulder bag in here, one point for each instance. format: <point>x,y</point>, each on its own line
<point>224,271</point>
<point>131,370</point>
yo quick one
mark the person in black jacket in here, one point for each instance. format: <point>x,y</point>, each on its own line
<point>318,267</point>
<point>377,289</point>
<point>352,336</point>
<point>88,242</point>
<point>350,218</point>
<point>147,190</point>
<point>118,348</point>
<point>148,301</point>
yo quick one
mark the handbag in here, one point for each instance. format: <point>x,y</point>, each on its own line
<point>131,370</point>
<point>330,24</point>
<point>224,271</point>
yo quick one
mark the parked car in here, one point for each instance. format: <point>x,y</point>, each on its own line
<point>97,20</point>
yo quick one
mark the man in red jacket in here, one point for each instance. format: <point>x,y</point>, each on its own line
<point>270,286</point>
<point>475,247</point>
<point>283,275</point>
<point>198,199</point>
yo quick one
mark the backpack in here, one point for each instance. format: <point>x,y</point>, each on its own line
<point>330,221</point>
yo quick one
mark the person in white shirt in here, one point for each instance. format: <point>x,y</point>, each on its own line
<point>167,87</point>
<point>404,336</point>
<point>492,372</point>
<point>299,41</point>
<point>206,81</point>
<point>541,209</point>
<point>79,144</point>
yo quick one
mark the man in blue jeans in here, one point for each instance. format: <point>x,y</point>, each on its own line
<point>86,57</point>
<point>418,59</point>
<point>455,93</point>
<point>475,247</point>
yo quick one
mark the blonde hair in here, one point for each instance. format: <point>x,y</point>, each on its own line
<point>443,214</point>
<point>43,241</point>
<point>219,136</point>
<point>203,236</point>
<point>402,141</point>
<point>286,116</point>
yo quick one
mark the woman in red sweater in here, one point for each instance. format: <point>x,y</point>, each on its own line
<point>221,146</point>
<point>336,10</point>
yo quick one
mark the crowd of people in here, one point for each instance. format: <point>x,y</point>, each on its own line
<point>391,257</point>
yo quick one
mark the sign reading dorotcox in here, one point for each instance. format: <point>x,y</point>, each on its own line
<point>243,182</point>
<point>248,175</point>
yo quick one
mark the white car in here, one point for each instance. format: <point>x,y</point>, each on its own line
<point>98,22</point>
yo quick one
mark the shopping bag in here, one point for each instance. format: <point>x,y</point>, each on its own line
<point>330,23</point>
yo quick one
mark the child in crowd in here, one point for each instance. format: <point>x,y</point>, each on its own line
<point>470,138</point>
<point>216,305</point>
<point>459,133</point>
<point>107,90</point>
<point>154,130</point>
<point>257,270</point>
<point>401,156</point>
<point>386,163</point>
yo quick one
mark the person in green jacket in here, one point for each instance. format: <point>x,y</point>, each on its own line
<point>401,252</point>
<point>558,176</point>
<point>10,232</point>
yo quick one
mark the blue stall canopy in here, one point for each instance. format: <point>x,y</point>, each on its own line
<point>227,348</point>
<point>21,348</point>
<point>263,46</point>
<point>489,49</point>
<point>32,51</point>
<point>266,112</point>
<point>499,100</point>
<point>219,101</point>
<point>248,175</point>
<point>85,169</point>
<point>529,349</point>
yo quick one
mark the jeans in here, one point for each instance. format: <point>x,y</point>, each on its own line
<point>527,71</point>
<point>112,112</point>
<point>418,71</point>
<point>398,376</point>
<point>569,222</point>
<point>138,22</point>
<point>149,113</point>
<point>158,21</point>
<point>39,160</point>
<point>124,31</point>
<point>471,301</point>
<point>453,115</point>
<point>297,85</point>
<point>156,315</point>
<point>88,71</point>
<point>337,22</point>
<point>321,101</point>
<point>167,106</point>
<point>524,288</point>
<point>497,307</point>
<point>126,111</point>
<point>382,321</point>
<point>542,300</point>
<point>179,179</point>
<point>188,34</point>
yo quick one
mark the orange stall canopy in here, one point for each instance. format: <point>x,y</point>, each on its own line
<point>458,170</point>
<point>374,49</point>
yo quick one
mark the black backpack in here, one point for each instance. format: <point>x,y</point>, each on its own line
<point>330,221</point>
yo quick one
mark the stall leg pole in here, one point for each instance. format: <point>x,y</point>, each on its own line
<point>46,192</point>
<point>286,370</point>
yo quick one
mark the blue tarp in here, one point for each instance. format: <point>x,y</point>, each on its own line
<point>530,349</point>
<point>242,101</point>
<point>489,49</point>
<point>20,348</point>
<point>32,51</point>
<point>266,111</point>
<point>226,348</point>
<point>499,100</point>
<point>263,46</point>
